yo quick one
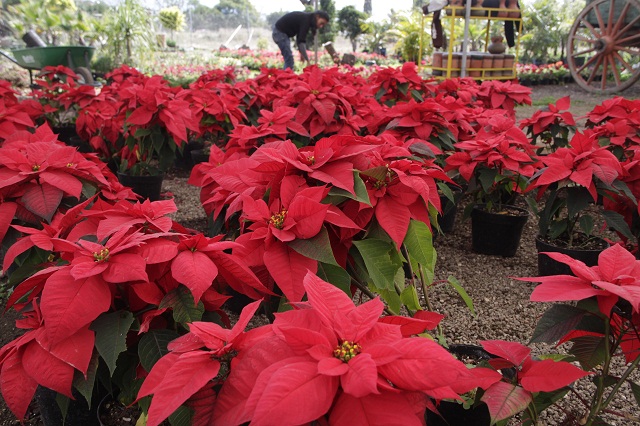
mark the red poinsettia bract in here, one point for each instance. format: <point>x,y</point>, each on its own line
<point>327,358</point>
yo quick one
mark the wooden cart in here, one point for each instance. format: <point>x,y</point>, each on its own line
<point>603,49</point>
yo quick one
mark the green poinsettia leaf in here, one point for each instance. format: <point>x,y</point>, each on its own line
<point>86,386</point>
<point>380,264</point>
<point>111,335</point>
<point>542,401</point>
<point>635,389</point>
<point>181,417</point>
<point>590,351</point>
<point>578,199</point>
<point>182,302</point>
<point>453,282</point>
<point>409,298</point>
<point>616,221</point>
<point>335,275</point>
<point>556,322</point>
<point>153,346</point>
<point>419,244</point>
<point>586,224</point>
<point>316,248</point>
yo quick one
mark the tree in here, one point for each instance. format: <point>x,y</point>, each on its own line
<point>376,34</point>
<point>350,22</point>
<point>417,4</point>
<point>328,32</point>
<point>172,19</point>
<point>273,17</point>
<point>407,31</point>
<point>367,7</point>
<point>237,12</point>
<point>129,30</point>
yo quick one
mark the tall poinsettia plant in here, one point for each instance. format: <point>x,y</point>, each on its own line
<point>572,178</point>
<point>359,368</point>
<point>119,280</point>
<point>604,324</point>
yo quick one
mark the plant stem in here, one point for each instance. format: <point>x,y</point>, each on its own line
<point>599,394</point>
<point>366,291</point>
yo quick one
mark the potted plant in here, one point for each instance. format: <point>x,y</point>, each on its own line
<point>549,128</point>
<point>496,163</point>
<point>601,323</point>
<point>565,192</point>
<point>61,97</point>
<point>154,129</point>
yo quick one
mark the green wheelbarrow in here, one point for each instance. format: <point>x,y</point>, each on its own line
<point>77,58</point>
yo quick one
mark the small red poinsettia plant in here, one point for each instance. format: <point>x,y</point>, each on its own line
<point>118,281</point>
<point>61,95</point>
<point>325,360</point>
<point>550,127</point>
<point>572,178</point>
<point>602,327</point>
<point>496,163</point>
<point>392,85</point>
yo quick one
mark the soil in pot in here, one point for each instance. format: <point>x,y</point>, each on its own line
<point>585,249</point>
<point>114,413</point>
<point>497,233</point>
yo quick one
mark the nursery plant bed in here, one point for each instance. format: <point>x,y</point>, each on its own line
<point>502,303</point>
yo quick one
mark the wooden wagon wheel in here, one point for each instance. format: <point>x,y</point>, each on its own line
<point>604,46</point>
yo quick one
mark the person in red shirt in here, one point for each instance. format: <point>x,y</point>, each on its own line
<point>297,24</point>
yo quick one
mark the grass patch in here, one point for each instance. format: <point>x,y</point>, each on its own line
<point>544,101</point>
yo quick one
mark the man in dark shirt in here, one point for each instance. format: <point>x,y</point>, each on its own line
<point>297,24</point>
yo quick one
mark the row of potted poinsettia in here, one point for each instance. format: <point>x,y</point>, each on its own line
<point>125,298</point>
<point>350,208</point>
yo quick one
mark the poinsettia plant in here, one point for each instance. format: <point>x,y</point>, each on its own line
<point>550,127</point>
<point>567,186</point>
<point>601,324</point>
<point>496,163</point>
<point>61,95</point>
<point>156,124</point>
<point>359,367</point>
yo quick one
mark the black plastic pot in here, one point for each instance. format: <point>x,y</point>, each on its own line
<point>497,233</point>
<point>447,219</point>
<point>548,266</point>
<point>65,133</point>
<point>199,156</point>
<point>454,414</point>
<point>146,186</point>
<point>78,411</point>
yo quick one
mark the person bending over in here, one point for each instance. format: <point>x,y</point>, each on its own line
<point>297,24</point>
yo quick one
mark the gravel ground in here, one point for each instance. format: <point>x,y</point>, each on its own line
<point>501,302</point>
